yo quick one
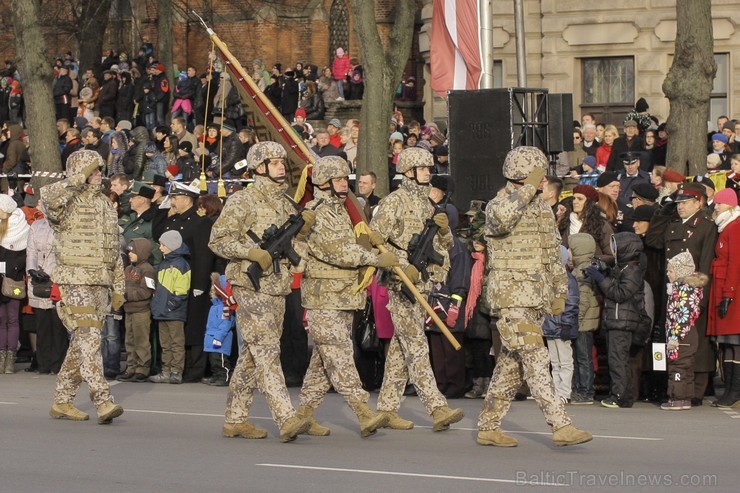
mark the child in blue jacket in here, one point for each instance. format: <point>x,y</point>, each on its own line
<point>559,332</point>
<point>220,331</point>
<point>170,306</point>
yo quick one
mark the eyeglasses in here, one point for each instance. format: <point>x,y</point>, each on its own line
<point>576,137</point>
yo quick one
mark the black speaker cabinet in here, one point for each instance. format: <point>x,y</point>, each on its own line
<point>484,125</point>
<point>560,122</point>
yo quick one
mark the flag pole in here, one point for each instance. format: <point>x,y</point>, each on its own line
<point>485,14</point>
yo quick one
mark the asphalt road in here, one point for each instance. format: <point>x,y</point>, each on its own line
<point>169,440</point>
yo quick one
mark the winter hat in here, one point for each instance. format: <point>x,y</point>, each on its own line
<point>173,169</point>
<point>606,178</point>
<point>81,122</point>
<point>397,136</point>
<point>185,146</point>
<point>641,105</point>
<point>229,126</point>
<point>645,191</point>
<point>721,137</point>
<point>340,51</point>
<point>727,196</point>
<point>7,204</point>
<point>443,182</point>
<point>123,125</point>
<point>300,112</point>
<point>683,265</point>
<point>335,122</point>
<point>425,145</point>
<point>183,75</point>
<point>590,161</point>
<point>644,213</point>
<point>587,190</point>
<point>713,161</point>
<point>171,239</point>
<point>729,125</point>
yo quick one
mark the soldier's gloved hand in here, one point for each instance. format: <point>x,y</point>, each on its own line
<point>724,306</point>
<point>386,259</point>
<point>535,178</point>
<point>89,169</point>
<point>594,274</point>
<point>558,306</point>
<point>309,218</point>
<point>116,302</point>
<point>441,220</point>
<point>672,344</point>
<point>376,238</point>
<point>412,273</point>
<point>262,257</point>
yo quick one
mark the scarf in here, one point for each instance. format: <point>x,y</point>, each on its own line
<point>725,218</point>
<point>575,224</point>
<point>476,284</point>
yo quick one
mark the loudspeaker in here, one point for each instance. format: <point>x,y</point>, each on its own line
<point>484,125</point>
<point>560,122</point>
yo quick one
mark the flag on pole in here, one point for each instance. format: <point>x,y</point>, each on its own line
<point>456,58</point>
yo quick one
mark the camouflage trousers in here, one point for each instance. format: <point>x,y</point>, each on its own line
<point>332,359</point>
<point>82,311</point>
<point>408,358</point>
<point>530,362</point>
<point>259,319</point>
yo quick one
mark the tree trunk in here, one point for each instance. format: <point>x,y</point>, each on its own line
<point>37,78</point>
<point>164,43</point>
<point>688,87</point>
<point>383,68</point>
<point>92,18</point>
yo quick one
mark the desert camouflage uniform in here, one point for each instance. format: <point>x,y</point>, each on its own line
<point>88,265</point>
<point>329,294</point>
<point>526,276</point>
<point>399,216</point>
<point>260,314</point>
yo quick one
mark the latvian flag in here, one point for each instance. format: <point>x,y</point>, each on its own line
<point>456,60</point>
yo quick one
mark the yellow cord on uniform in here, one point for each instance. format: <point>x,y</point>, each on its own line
<point>203,185</point>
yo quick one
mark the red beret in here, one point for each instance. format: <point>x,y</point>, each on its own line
<point>673,176</point>
<point>587,190</point>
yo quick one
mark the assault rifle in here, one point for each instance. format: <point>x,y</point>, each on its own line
<point>278,242</point>
<point>421,250</point>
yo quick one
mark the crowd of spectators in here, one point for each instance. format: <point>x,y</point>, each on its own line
<point>622,214</point>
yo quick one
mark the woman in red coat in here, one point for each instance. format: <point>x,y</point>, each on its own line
<point>605,149</point>
<point>724,312</point>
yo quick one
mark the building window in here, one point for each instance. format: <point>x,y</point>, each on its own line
<point>608,87</point>
<point>338,28</point>
<point>498,74</point>
<point>718,99</point>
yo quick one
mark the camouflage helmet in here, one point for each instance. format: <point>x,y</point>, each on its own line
<point>520,161</point>
<point>414,157</point>
<point>261,151</point>
<point>326,168</point>
<point>79,160</point>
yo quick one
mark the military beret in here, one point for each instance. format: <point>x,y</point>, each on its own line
<point>645,191</point>
<point>606,178</point>
<point>644,213</point>
<point>673,176</point>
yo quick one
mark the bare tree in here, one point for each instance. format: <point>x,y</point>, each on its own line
<point>689,85</point>
<point>383,65</point>
<point>37,78</point>
<point>164,43</point>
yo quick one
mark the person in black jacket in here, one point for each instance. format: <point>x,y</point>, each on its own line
<point>289,100</point>
<point>232,151</point>
<point>60,90</point>
<point>622,317</point>
<point>314,102</point>
<point>125,98</point>
<point>274,92</point>
<point>195,231</point>
<point>448,364</point>
<point>108,94</point>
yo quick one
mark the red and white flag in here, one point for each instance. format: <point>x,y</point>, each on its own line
<point>456,58</point>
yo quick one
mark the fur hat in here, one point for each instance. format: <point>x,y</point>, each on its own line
<point>171,239</point>
<point>683,265</point>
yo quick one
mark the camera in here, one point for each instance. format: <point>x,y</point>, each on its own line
<point>600,265</point>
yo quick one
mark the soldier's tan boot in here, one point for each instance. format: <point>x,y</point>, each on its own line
<point>244,430</point>
<point>570,435</point>
<point>67,411</point>
<point>107,412</point>
<point>305,412</point>
<point>9,362</point>
<point>293,427</point>
<point>370,420</point>
<point>496,438</point>
<point>444,417</point>
<point>396,422</point>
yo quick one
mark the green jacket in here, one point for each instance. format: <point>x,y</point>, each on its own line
<point>135,226</point>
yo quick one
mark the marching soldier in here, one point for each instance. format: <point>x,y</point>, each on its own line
<point>330,296</point>
<point>527,280</point>
<point>260,314</point>
<point>400,215</point>
<point>89,272</point>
